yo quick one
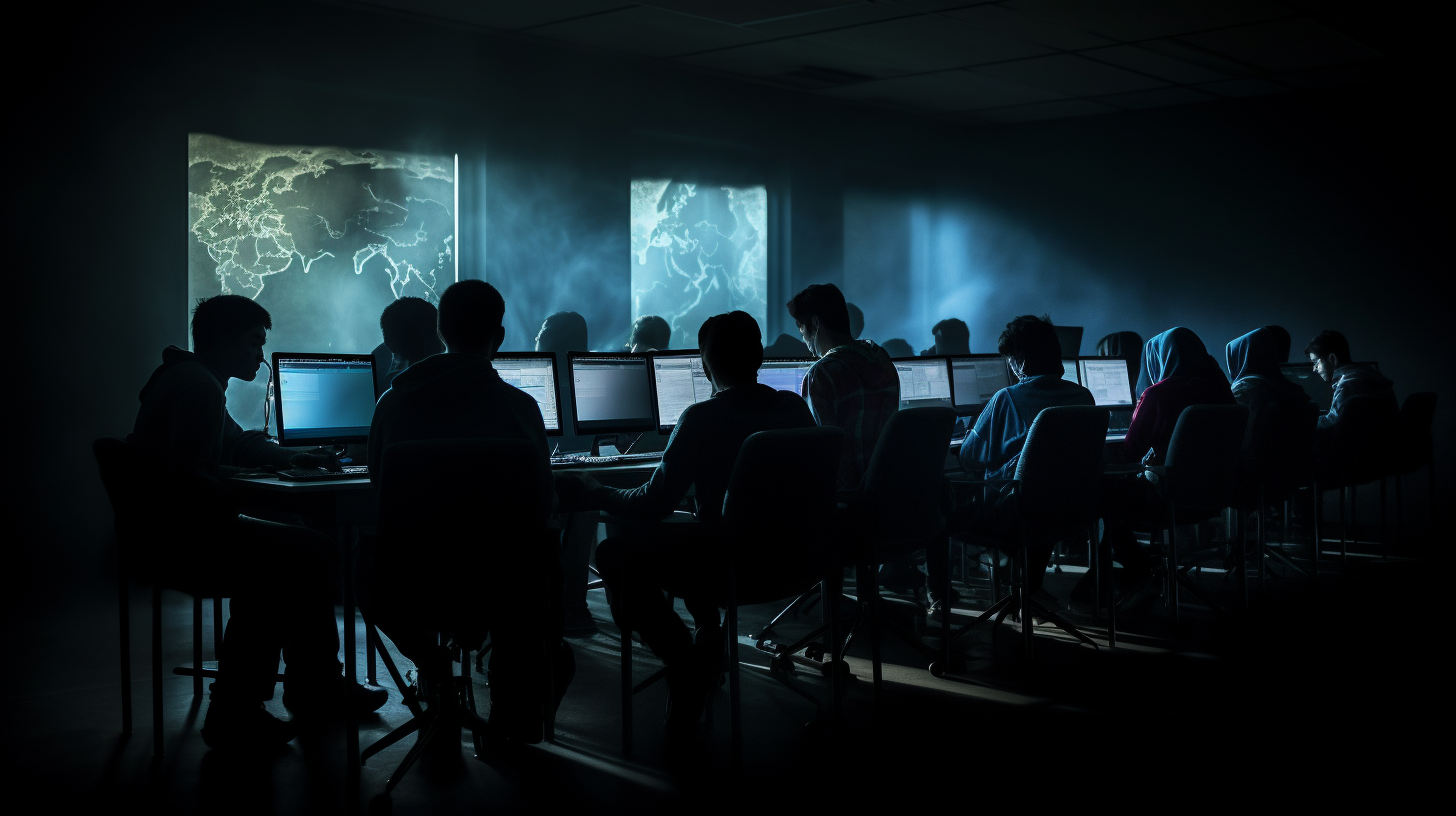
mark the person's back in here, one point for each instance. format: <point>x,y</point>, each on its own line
<point>1277,407</point>
<point>853,385</point>
<point>563,333</point>
<point>1181,373</point>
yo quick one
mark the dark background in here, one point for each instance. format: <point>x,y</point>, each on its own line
<point>1312,210</point>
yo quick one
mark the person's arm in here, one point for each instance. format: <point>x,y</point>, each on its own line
<point>195,436</point>
<point>975,453</point>
<point>669,482</point>
<point>251,449</point>
<point>374,456</point>
<point>1337,404</point>
<point>1140,430</point>
<point>819,392</point>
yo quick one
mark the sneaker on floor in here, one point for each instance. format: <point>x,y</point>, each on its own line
<point>245,727</point>
<point>334,696</point>
<point>580,623</point>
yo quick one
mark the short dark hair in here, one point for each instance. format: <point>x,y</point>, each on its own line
<point>856,320</point>
<point>653,330</point>
<point>824,301</point>
<point>411,328</point>
<point>1035,341</point>
<point>222,318</point>
<point>732,345</point>
<point>567,332</point>
<point>471,312</point>
<point>952,329</point>
<point>1329,342</point>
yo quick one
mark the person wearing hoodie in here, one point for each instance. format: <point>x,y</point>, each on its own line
<point>1259,385</point>
<point>1351,440</point>
<point>281,576</point>
<point>459,395</point>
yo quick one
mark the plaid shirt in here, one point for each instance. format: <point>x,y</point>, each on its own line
<point>854,388</point>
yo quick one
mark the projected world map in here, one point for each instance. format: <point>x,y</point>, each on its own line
<point>698,251</point>
<point>322,237</point>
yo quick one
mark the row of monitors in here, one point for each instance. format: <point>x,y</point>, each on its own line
<point>329,398</point>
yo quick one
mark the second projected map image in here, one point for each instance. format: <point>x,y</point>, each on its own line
<point>322,237</point>
<point>697,251</point>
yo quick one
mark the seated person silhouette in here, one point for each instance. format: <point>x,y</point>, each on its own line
<point>856,320</point>
<point>1363,413</point>
<point>649,333</point>
<point>992,449</point>
<point>952,336</point>
<point>786,347</point>
<point>898,348</point>
<point>1259,385</point>
<point>682,558</point>
<point>281,577</point>
<point>410,335</point>
<point>459,395</point>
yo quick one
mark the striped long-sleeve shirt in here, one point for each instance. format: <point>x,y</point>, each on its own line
<point>854,388</point>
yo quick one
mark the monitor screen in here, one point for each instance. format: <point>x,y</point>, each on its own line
<point>1069,371</point>
<point>1302,374</point>
<point>611,393</point>
<point>678,380</point>
<point>1106,378</point>
<point>534,373</point>
<point>323,399</point>
<point>924,381</point>
<point>975,379</point>
<point>784,373</point>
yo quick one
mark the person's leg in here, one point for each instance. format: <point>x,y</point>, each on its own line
<point>578,537</point>
<point>634,571</point>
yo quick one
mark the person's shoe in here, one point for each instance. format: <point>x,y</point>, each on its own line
<point>579,623</point>
<point>245,727</point>
<point>687,691</point>
<point>334,696</point>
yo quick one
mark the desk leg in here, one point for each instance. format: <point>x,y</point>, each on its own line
<point>348,535</point>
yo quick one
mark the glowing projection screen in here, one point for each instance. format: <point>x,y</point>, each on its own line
<point>322,237</point>
<point>698,251</point>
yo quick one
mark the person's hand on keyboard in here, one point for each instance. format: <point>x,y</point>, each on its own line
<point>318,458</point>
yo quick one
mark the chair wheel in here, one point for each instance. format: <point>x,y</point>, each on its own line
<point>381,805</point>
<point>937,669</point>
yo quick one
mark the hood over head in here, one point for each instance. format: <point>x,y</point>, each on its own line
<point>1257,353</point>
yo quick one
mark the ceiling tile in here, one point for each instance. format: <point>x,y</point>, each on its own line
<point>944,91</point>
<point>1284,45</point>
<point>1243,87</point>
<point>744,12</point>
<point>505,14</point>
<point>1201,57</point>
<point>842,16</point>
<point>1141,19</point>
<point>1147,62</point>
<point>1156,98</point>
<point>1028,27</point>
<point>1071,74</point>
<point>780,56</point>
<point>927,43</point>
<point>649,32</point>
<point>1044,110</point>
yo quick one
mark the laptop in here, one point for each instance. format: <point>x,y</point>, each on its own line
<point>1106,378</point>
<point>678,380</point>
<point>924,382</point>
<point>535,373</point>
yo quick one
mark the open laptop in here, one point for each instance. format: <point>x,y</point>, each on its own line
<point>678,380</point>
<point>974,379</point>
<point>1106,378</point>
<point>535,373</point>
<point>785,373</point>
<point>611,393</point>
<point>924,381</point>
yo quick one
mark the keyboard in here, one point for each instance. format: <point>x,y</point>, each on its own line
<point>582,460</point>
<point>321,475</point>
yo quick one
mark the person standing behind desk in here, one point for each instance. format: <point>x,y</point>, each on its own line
<point>282,575</point>
<point>410,335</point>
<point>459,395</point>
<point>683,558</point>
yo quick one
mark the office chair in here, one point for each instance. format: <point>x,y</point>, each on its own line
<point>1197,480</point>
<point>776,516</point>
<point>439,579</point>
<point>1279,451</point>
<point>1356,453</point>
<point>124,473</point>
<point>1055,495</point>
<point>1416,450</point>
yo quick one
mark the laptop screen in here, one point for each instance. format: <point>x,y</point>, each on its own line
<point>678,380</point>
<point>534,373</point>
<point>611,393</point>
<point>1106,378</point>
<point>323,399</point>
<point>1302,374</point>
<point>784,373</point>
<point>924,381</point>
<point>975,379</point>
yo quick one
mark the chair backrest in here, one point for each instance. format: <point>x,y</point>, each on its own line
<point>118,463</point>
<point>1417,416</point>
<point>1359,446</point>
<point>1280,443</point>
<point>1204,456</point>
<point>1060,470</point>
<point>903,494</point>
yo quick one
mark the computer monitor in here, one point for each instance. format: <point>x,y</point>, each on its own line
<point>323,399</point>
<point>610,393</point>
<point>1069,370</point>
<point>678,380</point>
<point>785,373</point>
<point>1070,338</point>
<point>924,381</point>
<point>974,379</point>
<point>1106,378</point>
<point>1302,374</point>
<point>535,373</point>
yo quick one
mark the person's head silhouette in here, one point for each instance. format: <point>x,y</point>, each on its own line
<point>952,336</point>
<point>1329,351</point>
<point>1031,347</point>
<point>732,348</point>
<point>562,332</point>
<point>471,315</point>
<point>411,331</point>
<point>649,333</point>
<point>228,334</point>
<point>822,316</point>
<point>897,347</point>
